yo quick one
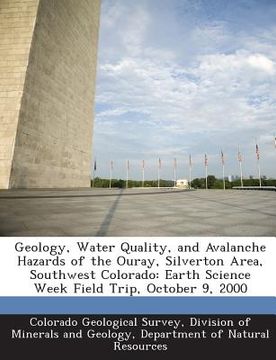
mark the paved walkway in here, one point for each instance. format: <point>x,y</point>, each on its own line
<point>133,212</point>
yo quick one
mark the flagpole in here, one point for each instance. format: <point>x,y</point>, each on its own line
<point>174,171</point>
<point>241,174</point>
<point>158,173</point>
<point>94,170</point>
<point>258,162</point>
<point>240,162</point>
<point>223,173</point>
<point>259,171</point>
<point>190,170</point>
<point>110,174</point>
<point>206,172</point>
<point>223,176</point>
<point>143,173</point>
<point>127,174</point>
<point>158,181</point>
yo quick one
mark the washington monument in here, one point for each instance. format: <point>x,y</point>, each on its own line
<point>48,55</point>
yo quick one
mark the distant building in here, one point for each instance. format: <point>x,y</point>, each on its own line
<point>182,183</point>
<point>232,178</point>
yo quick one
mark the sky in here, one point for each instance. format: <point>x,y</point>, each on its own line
<point>180,77</point>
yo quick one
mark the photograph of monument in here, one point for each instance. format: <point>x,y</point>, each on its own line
<point>149,118</point>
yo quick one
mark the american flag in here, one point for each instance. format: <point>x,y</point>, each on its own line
<point>95,165</point>
<point>222,157</point>
<point>111,164</point>
<point>257,152</point>
<point>128,164</point>
<point>239,156</point>
<point>143,164</point>
<point>206,160</point>
<point>159,163</point>
<point>174,163</point>
<point>190,160</point>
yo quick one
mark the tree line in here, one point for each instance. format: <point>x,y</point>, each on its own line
<point>214,183</point>
<point>122,184</point>
<point>198,183</point>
